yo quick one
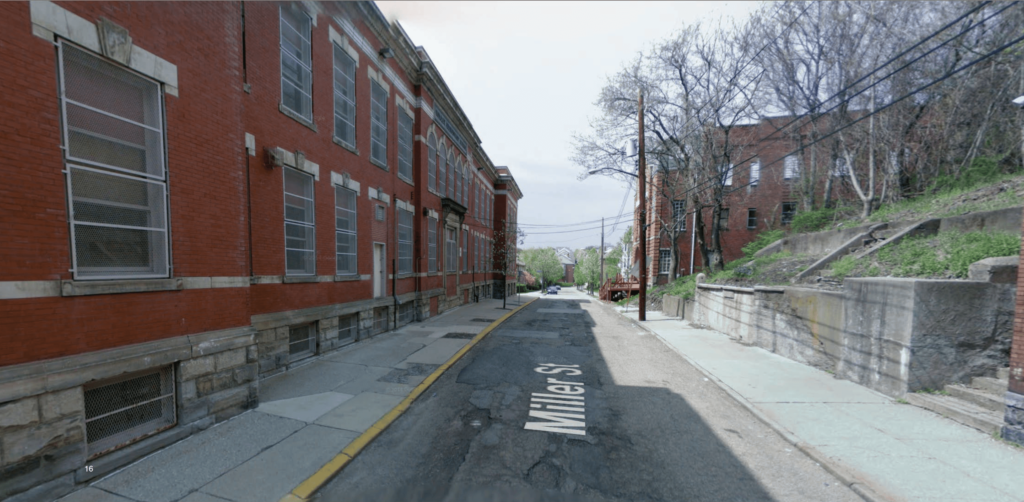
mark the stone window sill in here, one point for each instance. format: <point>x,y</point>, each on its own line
<point>295,116</point>
<point>345,145</point>
<point>86,288</point>
<point>378,163</point>
<point>296,279</point>
<point>345,278</point>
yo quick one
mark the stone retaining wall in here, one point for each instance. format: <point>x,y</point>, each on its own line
<point>892,335</point>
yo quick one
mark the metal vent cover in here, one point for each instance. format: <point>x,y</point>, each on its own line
<point>121,411</point>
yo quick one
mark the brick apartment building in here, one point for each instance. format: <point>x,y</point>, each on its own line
<point>200,195</point>
<point>762,193</point>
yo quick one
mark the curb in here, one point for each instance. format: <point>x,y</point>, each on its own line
<point>835,468</point>
<point>306,489</point>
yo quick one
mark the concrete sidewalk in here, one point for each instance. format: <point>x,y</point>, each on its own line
<point>882,448</point>
<point>306,417</point>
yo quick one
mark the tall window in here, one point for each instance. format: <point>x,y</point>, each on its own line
<point>679,214</point>
<point>114,137</point>
<point>791,167</point>
<point>788,211</point>
<point>404,145</point>
<point>441,169</point>
<point>296,63</point>
<point>458,183</point>
<point>465,250</point>
<point>432,162</point>
<point>723,221</point>
<point>344,97</point>
<point>299,224</point>
<point>726,170</point>
<point>451,173</point>
<point>476,200</point>
<point>404,241</point>
<point>665,261</point>
<point>450,250</point>
<point>751,218</point>
<point>432,244</point>
<point>378,124</point>
<point>345,230</point>
<point>755,172</point>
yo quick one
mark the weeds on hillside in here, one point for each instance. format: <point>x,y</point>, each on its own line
<point>948,254</point>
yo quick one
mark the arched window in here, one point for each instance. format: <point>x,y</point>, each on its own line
<point>460,175</point>
<point>431,162</point>
<point>451,173</point>
<point>441,169</point>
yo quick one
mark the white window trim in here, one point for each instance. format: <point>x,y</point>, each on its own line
<point>337,96</point>
<point>300,223</point>
<point>354,231</point>
<point>309,68</point>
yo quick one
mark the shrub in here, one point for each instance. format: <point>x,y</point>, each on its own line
<point>841,268</point>
<point>763,240</point>
<point>812,221</point>
<point>982,170</point>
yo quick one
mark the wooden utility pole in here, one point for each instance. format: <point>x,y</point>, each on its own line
<point>643,216</point>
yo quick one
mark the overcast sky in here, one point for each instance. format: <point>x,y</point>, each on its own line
<point>527,75</point>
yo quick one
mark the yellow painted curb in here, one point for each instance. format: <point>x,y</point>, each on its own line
<point>307,488</point>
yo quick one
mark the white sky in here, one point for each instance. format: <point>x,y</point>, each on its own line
<point>527,75</point>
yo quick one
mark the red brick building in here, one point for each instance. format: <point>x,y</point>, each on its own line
<point>199,195</point>
<point>762,190</point>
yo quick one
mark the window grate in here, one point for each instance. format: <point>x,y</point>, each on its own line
<point>378,124</point>
<point>301,341</point>
<point>406,312</point>
<point>345,230</point>
<point>431,162</point>
<point>113,134</point>
<point>344,97</point>
<point>380,320</point>
<point>432,244</point>
<point>296,62</point>
<point>405,139</point>
<point>348,328</point>
<point>404,241</point>
<point>299,224</point>
<point>125,410</point>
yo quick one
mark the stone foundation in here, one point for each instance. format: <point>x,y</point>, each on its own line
<point>1013,430</point>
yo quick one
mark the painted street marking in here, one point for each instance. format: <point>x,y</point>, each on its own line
<point>561,311</point>
<point>562,397</point>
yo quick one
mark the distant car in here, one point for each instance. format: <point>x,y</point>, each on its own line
<point>552,290</point>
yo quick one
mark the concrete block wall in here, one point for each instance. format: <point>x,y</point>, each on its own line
<point>892,335</point>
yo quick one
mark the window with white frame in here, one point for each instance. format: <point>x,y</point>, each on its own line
<point>442,168</point>
<point>378,124</point>
<point>345,230</point>
<point>791,167</point>
<point>404,145</point>
<point>344,97</point>
<point>404,241</point>
<point>679,214</point>
<point>840,168</point>
<point>450,250</point>
<point>431,162</point>
<point>117,181</point>
<point>665,261</point>
<point>755,172</point>
<point>432,244</point>
<point>299,223</point>
<point>296,62</point>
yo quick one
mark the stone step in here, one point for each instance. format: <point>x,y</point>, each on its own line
<point>977,397</point>
<point>986,421</point>
<point>990,385</point>
<point>1003,374</point>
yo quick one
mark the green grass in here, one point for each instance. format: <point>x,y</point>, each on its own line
<point>918,257</point>
<point>812,221</point>
<point>842,268</point>
<point>763,240</point>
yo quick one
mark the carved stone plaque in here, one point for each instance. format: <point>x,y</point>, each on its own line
<point>115,41</point>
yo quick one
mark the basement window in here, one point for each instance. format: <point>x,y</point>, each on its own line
<point>126,409</point>
<point>788,211</point>
<point>348,329</point>
<point>301,341</point>
<point>406,312</point>
<point>380,320</point>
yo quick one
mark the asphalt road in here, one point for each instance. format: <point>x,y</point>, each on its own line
<point>644,424</point>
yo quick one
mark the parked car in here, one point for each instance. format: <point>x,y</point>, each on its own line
<point>558,287</point>
<point>552,290</point>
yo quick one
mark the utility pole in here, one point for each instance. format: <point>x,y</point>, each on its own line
<point>643,216</point>
<point>602,254</point>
